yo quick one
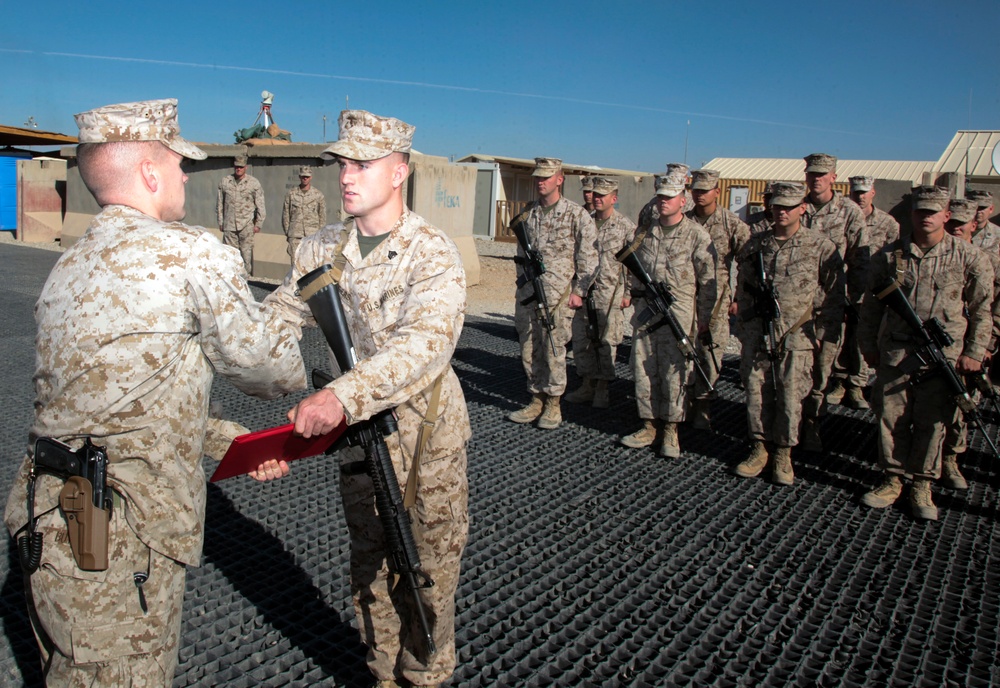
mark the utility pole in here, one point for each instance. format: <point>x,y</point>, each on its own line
<point>686,131</point>
<point>324,128</point>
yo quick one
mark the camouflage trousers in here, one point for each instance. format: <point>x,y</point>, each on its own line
<point>546,371</point>
<point>774,415</point>
<point>243,240</point>
<point>913,421</point>
<point>596,359</point>
<point>711,358</point>
<point>383,606</point>
<point>822,369</point>
<point>850,366</point>
<point>89,624</point>
<point>295,238</point>
<point>661,376</point>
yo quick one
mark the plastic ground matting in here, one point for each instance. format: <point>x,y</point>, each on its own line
<point>588,563</point>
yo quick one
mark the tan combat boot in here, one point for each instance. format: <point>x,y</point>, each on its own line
<point>810,439</point>
<point>753,464</point>
<point>551,417</point>
<point>583,394</point>
<point>836,393</point>
<point>701,410</point>
<point>950,475</point>
<point>921,502</point>
<point>670,448</point>
<point>529,412</point>
<point>643,437</point>
<point>782,472</point>
<point>602,399</point>
<point>885,494</point>
<point>854,398</point>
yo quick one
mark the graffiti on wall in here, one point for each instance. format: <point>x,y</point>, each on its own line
<point>442,199</point>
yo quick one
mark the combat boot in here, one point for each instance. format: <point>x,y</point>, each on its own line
<point>643,437</point>
<point>529,412</point>
<point>701,409</point>
<point>670,448</point>
<point>836,393</point>
<point>810,439</point>
<point>551,416</point>
<point>584,394</point>
<point>781,469</point>
<point>753,464</point>
<point>921,502</point>
<point>950,475</point>
<point>602,399</point>
<point>885,494</point>
<point>854,398</point>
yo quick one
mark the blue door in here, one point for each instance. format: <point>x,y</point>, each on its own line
<point>8,189</point>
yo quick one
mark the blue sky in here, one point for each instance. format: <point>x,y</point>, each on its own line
<point>610,84</point>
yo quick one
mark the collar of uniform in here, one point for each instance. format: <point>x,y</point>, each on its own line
<point>396,243</point>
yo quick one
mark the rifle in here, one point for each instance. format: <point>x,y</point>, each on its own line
<point>766,307</point>
<point>932,339</point>
<point>981,383</point>
<point>658,302</point>
<point>532,269</point>
<point>84,501</point>
<point>322,294</point>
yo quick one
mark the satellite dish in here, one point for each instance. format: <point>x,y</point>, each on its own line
<point>996,158</point>
<point>267,97</point>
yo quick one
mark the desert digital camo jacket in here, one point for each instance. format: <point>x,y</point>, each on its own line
<point>609,278</point>
<point>728,233</point>
<point>842,221</point>
<point>987,238</point>
<point>882,229</point>
<point>133,322</point>
<point>303,212</point>
<point>566,236</point>
<point>240,204</point>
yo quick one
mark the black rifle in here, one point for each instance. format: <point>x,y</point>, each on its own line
<point>323,299</point>
<point>981,383</point>
<point>658,302</point>
<point>929,358</point>
<point>593,324</point>
<point>532,269</point>
<point>766,307</point>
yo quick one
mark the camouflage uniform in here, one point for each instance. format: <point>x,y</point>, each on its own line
<point>240,208</point>
<point>842,221</point>
<point>597,362</point>
<point>729,233</point>
<point>808,277</point>
<point>939,282</point>
<point>987,238</point>
<point>566,237</point>
<point>882,229</point>
<point>405,313</point>
<point>682,257</point>
<point>302,215</point>
<point>133,323</point>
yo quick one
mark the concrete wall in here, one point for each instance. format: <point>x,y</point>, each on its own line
<point>41,194</point>
<point>276,168</point>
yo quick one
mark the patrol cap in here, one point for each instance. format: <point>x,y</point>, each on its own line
<point>862,183</point>
<point>672,183</point>
<point>546,167</point>
<point>984,199</point>
<point>145,120</point>
<point>930,198</point>
<point>787,194</point>
<point>769,188</point>
<point>605,185</point>
<point>587,183</point>
<point>704,180</point>
<point>820,163</point>
<point>305,171</point>
<point>963,209</point>
<point>364,136</point>
<point>240,161</point>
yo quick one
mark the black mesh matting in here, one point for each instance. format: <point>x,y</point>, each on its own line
<point>588,563</point>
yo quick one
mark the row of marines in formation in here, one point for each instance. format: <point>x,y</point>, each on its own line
<point>800,281</point>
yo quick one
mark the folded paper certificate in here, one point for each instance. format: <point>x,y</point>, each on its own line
<point>249,451</point>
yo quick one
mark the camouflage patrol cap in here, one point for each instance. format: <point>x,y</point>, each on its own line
<point>984,199</point>
<point>704,180</point>
<point>364,136</point>
<point>672,183</point>
<point>587,183</point>
<point>240,161</point>
<point>963,209</point>
<point>787,194</point>
<point>862,183</point>
<point>146,120</point>
<point>305,171</point>
<point>546,167</point>
<point>605,185</point>
<point>769,188</point>
<point>930,198</point>
<point>820,163</point>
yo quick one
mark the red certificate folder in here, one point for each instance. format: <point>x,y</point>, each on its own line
<point>249,451</point>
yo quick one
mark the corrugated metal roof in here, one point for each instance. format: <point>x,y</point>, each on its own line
<point>970,153</point>
<point>568,168</point>
<point>793,169</point>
